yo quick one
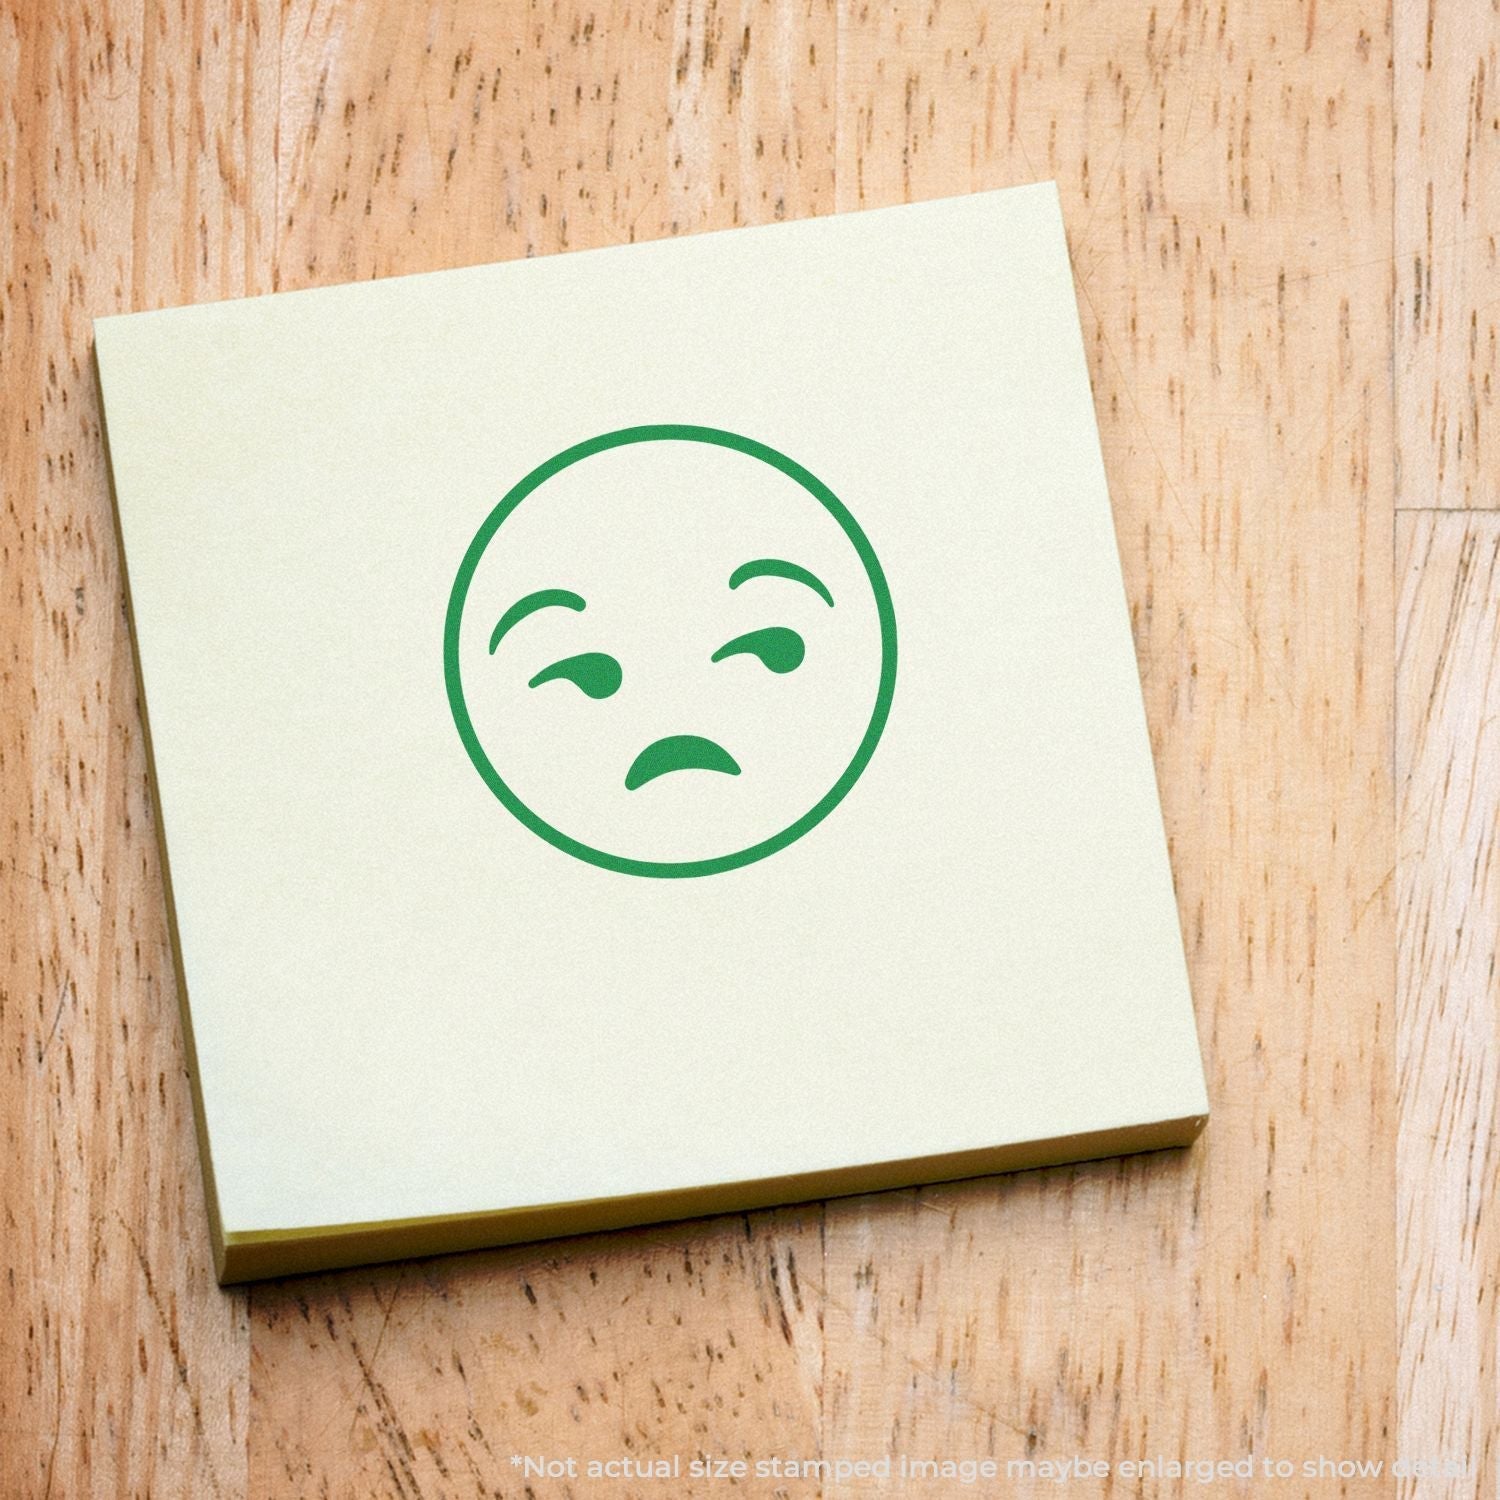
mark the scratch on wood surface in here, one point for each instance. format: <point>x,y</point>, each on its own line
<point>65,996</point>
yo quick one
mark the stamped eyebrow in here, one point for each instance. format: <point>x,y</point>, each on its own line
<point>541,599</point>
<point>775,567</point>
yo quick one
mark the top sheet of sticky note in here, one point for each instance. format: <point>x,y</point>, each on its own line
<point>646,717</point>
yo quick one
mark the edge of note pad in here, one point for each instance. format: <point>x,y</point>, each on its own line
<point>253,1256</point>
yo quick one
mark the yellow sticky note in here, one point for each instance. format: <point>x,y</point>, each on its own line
<point>644,732</point>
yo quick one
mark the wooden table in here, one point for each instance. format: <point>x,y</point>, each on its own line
<point>1282,220</point>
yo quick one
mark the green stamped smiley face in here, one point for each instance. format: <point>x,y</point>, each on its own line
<point>670,651</point>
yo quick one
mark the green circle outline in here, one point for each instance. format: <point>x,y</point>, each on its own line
<point>679,432</point>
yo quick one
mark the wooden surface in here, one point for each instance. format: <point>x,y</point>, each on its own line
<point>1280,218</point>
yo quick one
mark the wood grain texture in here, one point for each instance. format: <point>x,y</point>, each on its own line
<point>423,1379</point>
<point>129,146</point>
<point>1244,186</point>
<point>1447,90</point>
<point>1448,780</point>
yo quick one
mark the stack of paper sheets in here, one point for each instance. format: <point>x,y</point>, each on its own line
<point>644,732</point>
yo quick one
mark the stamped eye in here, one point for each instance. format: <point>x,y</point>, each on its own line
<point>595,673</point>
<point>780,649</point>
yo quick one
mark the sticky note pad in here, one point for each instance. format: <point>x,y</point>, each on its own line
<point>645,732</point>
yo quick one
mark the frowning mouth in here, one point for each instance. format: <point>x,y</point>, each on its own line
<point>679,752</point>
